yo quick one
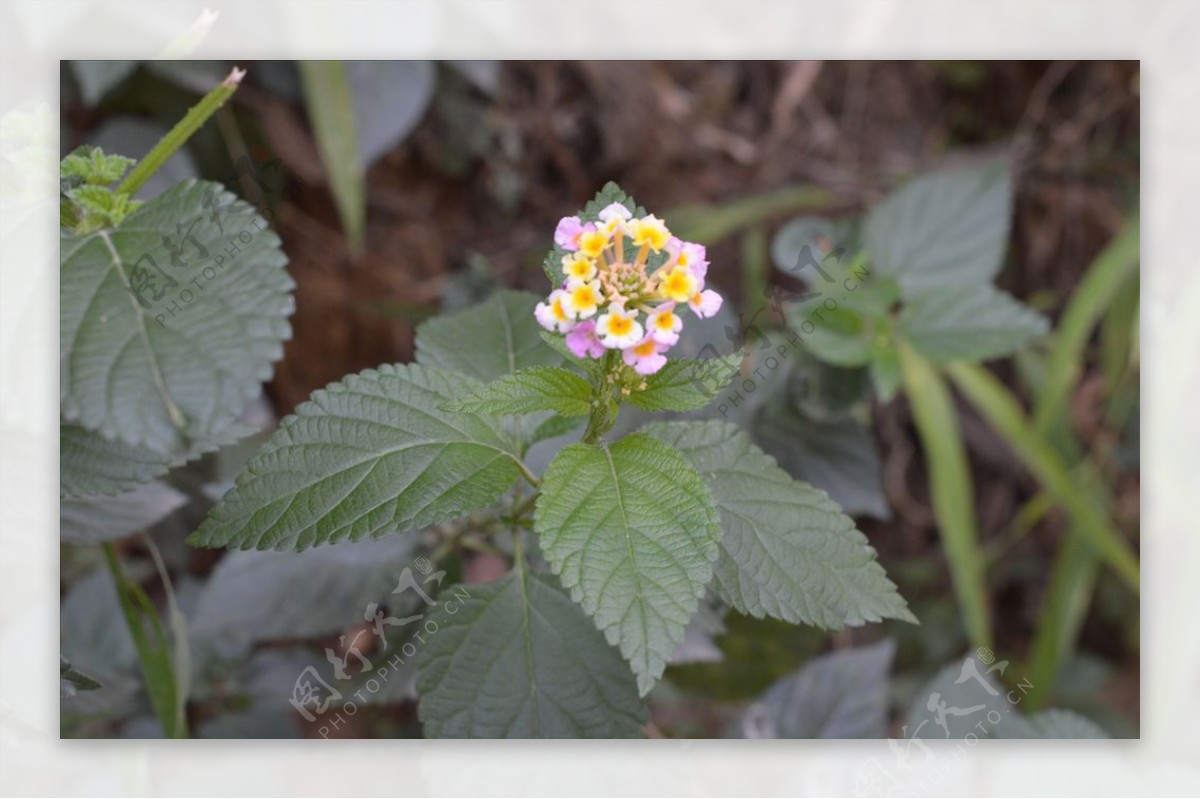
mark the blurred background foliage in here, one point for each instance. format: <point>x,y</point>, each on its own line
<point>403,188</point>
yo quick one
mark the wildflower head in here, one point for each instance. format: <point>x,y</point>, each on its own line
<point>625,284</point>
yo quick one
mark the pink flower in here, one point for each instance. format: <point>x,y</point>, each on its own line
<point>582,341</point>
<point>705,303</point>
<point>566,235</point>
<point>646,357</point>
<point>693,256</point>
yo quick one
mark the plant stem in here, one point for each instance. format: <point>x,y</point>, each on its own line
<point>196,116</point>
<point>154,657</point>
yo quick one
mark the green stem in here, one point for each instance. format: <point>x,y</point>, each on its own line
<point>196,116</point>
<point>154,657</point>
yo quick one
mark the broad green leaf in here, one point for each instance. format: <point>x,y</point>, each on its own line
<point>329,100</point>
<point>390,98</point>
<point>974,322</point>
<point>90,464</point>
<point>631,531</point>
<point>165,373</point>
<point>493,339</point>
<point>842,695</point>
<point>366,457</point>
<point>1049,724</point>
<point>516,658</point>
<point>686,384</point>
<point>92,520</point>
<point>787,550</point>
<point>837,456</point>
<point>840,336</point>
<point>972,690</point>
<point>540,388</point>
<point>948,228</point>
<point>262,596</point>
<point>553,427</point>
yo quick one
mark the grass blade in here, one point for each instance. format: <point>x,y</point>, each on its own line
<point>1104,278</point>
<point>330,103</point>
<point>952,489</point>
<point>154,656</point>
<point>1001,410</point>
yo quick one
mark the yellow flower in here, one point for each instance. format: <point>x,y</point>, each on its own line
<point>592,243</point>
<point>578,266</point>
<point>678,285</point>
<point>650,230</point>
<point>583,299</point>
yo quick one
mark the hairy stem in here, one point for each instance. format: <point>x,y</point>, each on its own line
<point>196,116</point>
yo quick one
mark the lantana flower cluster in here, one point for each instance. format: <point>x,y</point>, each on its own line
<point>609,299</point>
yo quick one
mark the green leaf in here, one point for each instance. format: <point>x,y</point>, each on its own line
<point>952,488</point>
<point>487,342</point>
<point>93,166</point>
<point>366,457</point>
<point>90,464</point>
<point>516,658</point>
<point>842,695</point>
<point>971,687</point>
<point>686,384</point>
<point>95,519</point>
<point>557,342</point>
<point>1049,724</point>
<point>97,78</point>
<point>71,680</point>
<point>609,193</point>
<point>164,373</point>
<point>329,100</point>
<point>974,322</point>
<point>839,336</point>
<point>948,228</point>
<point>553,427</point>
<point>263,596</point>
<point>837,456</point>
<point>631,531</point>
<point>787,550</point>
<point>540,388</point>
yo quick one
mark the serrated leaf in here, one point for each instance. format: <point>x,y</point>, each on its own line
<point>540,388</point>
<point>263,596</point>
<point>517,659</point>
<point>493,339</point>
<point>631,531</point>
<point>149,377</point>
<point>90,464</point>
<point>93,520</point>
<point>942,229</point>
<point>609,193</point>
<point>368,456</point>
<point>842,695</point>
<point>686,384</point>
<point>837,456</point>
<point>969,322</point>
<point>787,550</point>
